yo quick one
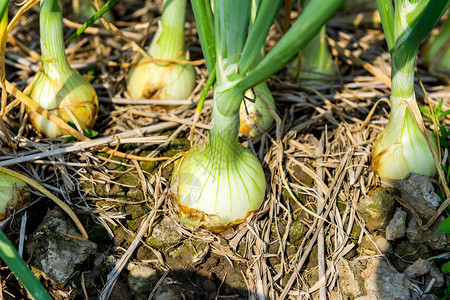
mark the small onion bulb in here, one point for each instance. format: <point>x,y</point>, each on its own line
<point>13,194</point>
<point>255,117</point>
<point>159,79</point>
<point>69,99</point>
<point>151,80</point>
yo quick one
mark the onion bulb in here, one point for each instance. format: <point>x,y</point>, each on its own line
<point>255,116</point>
<point>402,148</point>
<point>161,79</point>
<point>217,184</point>
<point>57,87</point>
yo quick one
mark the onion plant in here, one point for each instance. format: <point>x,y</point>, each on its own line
<point>219,183</point>
<point>57,87</point>
<point>12,191</point>
<point>402,147</point>
<point>436,51</point>
<point>161,77</point>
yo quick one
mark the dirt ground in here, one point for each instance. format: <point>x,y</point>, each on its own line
<point>317,170</point>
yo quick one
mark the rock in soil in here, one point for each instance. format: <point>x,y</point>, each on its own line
<point>142,279</point>
<point>350,282</point>
<point>418,268</point>
<point>418,191</point>
<point>376,209</point>
<point>397,225</point>
<point>376,280</point>
<point>384,282</point>
<point>413,232</point>
<point>436,273</point>
<point>55,254</point>
<point>164,234</point>
<point>168,292</point>
<point>434,239</point>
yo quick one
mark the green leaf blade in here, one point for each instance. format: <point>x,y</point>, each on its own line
<point>258,33</point>
<point>445,226</point>
<point>204,20</point>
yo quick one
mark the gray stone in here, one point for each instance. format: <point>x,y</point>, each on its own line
<point>418,191</point>
<point>418,268</point>
<point>164,234</point>
<point>348,278</point>
<point>367,297</point>
<point>396,226</point>
<point>376,209</point>
<point>169,292</point>
<point>434,239</point>
<point>436,273</point>
<point>413,232</point>
<point>381,244</point>
<point>142,279</point>
<point>384,282</point>
<point>55,254</point>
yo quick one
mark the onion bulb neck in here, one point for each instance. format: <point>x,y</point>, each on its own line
<point>317,66</point>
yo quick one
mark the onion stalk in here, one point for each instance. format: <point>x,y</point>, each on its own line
<point>217,184</point>
<point>436,51</point>
<point>57,87</point>
<point>162,79</point>
<point>402,147</point>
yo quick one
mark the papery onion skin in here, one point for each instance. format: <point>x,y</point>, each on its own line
<point>149,80</point>
<point>14,194</point>
<point>255,117</point>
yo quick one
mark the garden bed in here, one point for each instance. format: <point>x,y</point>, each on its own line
<point>316,161</point>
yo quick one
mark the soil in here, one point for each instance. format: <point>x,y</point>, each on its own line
<point>321,156</point>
